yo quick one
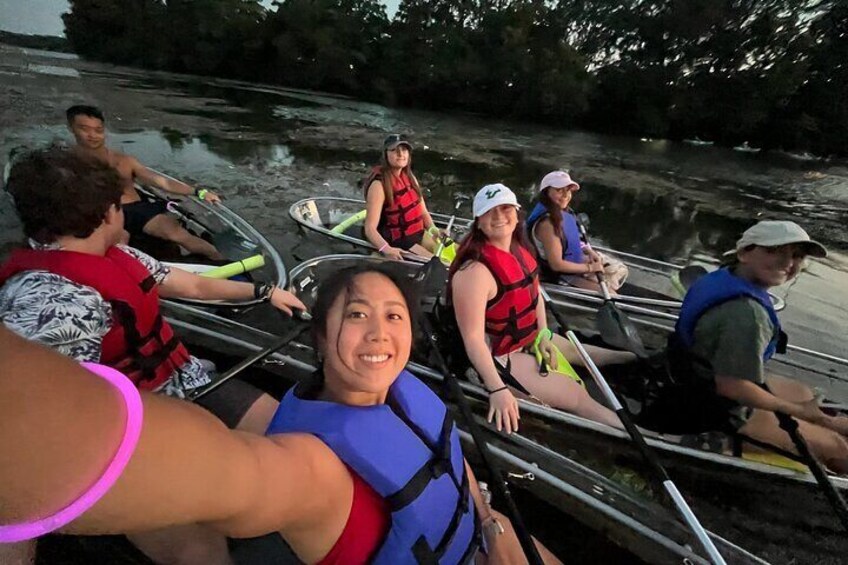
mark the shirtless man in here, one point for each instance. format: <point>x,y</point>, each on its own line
<point>151,218</point>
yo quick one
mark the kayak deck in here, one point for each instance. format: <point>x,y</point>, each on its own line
<point>651,288</point>
<point>235,238</point>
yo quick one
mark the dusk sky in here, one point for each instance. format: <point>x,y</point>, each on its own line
<point>43,17</point>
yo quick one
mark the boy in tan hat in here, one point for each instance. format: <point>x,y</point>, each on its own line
<point>727,331</point>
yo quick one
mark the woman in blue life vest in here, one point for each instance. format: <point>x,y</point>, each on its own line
<point>392,440</point>
<point>345,487</point>
<point>554,232</point>
<point>494,288</point>
<point>396,216</point>
<point>727,332</point>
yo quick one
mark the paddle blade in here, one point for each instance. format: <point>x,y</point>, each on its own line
<point>618,330</point>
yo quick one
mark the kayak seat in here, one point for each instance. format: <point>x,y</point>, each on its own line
<point>308,211</point>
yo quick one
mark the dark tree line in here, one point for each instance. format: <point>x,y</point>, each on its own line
<point>46,42</point>
<point>770,72</point>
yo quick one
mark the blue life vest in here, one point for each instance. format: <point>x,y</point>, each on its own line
<point>572,248</point>
<point>408,451</point>
<point>717,288</point>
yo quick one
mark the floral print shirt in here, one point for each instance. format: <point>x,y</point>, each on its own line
<point>73,318</point>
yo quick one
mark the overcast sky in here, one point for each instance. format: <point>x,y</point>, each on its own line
<point>43,17</point>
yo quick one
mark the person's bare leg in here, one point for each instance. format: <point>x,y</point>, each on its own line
<point>600,355</point>
<point>828,446</point>
<point>190,544</point>
<point>21,553</point>
<point>421,251</point>
<point>168,228</point>
<point>587,284</point>
<point>559,391</point>
<point>259,415</point>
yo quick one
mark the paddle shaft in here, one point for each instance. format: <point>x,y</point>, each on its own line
<point>499,485</point>
<point>600,276</point>
<point>255,358</point>
<point>648,454</point>
<point>557,316</point>
<point>790,426</point>
<point>447,234</point>
<point>614,325</point>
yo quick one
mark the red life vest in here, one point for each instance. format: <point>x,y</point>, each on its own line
<point>511,314</point>
<point>140,343</point>
<point>405,217</point>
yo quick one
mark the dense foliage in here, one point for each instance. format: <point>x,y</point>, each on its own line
<point>770,72</point>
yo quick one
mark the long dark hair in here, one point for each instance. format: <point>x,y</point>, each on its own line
<point>342,283</point>
<point>471,247</point>
<point>554,211</point>
<point>383,173</point>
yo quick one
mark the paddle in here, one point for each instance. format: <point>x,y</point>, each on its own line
<point>244,364</point>
<point>615,327</point>
<point>500,486</point>
<point>433,276</point>
<point>790,426</point>
<point>649,456</point>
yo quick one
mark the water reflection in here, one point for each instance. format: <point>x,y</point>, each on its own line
<point>264,147</point>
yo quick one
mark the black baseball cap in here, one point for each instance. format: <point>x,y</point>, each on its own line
<point>394,140</point>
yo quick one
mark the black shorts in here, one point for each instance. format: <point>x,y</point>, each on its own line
<point>404,242</point>
<point>231,401</point>
<point>137,214</point>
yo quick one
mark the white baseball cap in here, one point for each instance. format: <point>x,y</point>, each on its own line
<point>492,196</point>
<point>558,179</point>
<point>773,233</point>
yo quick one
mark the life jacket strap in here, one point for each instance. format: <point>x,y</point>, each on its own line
<point>437,466</point>
<point>421,549</point>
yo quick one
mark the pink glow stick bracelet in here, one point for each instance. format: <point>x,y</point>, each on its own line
<point>132,399</point>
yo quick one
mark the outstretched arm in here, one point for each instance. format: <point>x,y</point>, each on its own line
<point>182,284</point>
<point>169,184</point>
<point>60,426</point>
<point>751,394</point>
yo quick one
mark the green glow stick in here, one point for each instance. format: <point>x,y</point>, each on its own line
<point>235,268</point>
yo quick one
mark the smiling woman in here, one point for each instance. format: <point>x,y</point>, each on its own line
<point>408,493</point>
<point>396,217</point>
<point>494,288</point>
